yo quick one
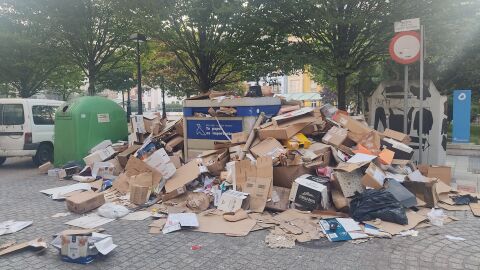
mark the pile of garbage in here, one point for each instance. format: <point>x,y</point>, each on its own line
<point>303,174</point>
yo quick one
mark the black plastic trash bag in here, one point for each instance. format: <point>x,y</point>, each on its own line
<point>464,199</point>
<point>372,204</point>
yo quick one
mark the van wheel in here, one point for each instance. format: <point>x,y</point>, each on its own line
<point>44,154</point>
<point>2,160</point>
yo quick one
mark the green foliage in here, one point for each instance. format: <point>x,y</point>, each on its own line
<point>65,81</point>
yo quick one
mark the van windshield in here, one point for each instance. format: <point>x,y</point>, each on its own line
<point>11,114</point>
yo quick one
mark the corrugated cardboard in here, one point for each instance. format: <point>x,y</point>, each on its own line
<point>183,176</point>
<point>374,177</point>
<point>143,179</point>
<point>351,124</point>
<point>425,191</point>
<point>139,194</point>
<point>121,183</point>
<point>349,182</point>
<point>282,132</point>
<point>292,115</point>
<point>335,136</point>
<point>232,200</point>
<point>285,176</point>
<point>211,223</point>
<point>215,160</point>
<point>269,147</point>
<point>392,228</point>
<point>45,167</point>
<point>135,166</point>
<point>401,137</point>
<point>258,188</point>
<point>84,202</point>
<point>239,137</point>
<point>172,143</point>
<point>475,207</point>
<point>100,155</point>
<point>123,156</point>
<point>279,201</point>
<point>444,173</point>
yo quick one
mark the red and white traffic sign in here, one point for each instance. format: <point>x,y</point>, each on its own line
<point>405,47</point>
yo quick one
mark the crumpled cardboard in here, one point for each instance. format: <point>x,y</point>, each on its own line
<point>184,175</point>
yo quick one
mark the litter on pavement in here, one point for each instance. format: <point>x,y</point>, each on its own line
<point>302,174</point>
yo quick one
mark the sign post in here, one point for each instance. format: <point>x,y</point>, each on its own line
<point>406,48</point>
<point>461,116</point>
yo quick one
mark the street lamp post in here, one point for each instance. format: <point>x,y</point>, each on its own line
<point>139,38</point>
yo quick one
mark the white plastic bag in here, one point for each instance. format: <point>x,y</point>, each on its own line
<point>111,210</point>
<point>436,217</point>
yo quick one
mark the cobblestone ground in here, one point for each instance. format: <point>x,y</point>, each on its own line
<point>20,200</point>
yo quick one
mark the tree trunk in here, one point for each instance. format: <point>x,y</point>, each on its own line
<point>204,84</point>
<point>91,84</point>
<point>341,89</point>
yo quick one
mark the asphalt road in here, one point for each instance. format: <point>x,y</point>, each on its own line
<point>20,199</point>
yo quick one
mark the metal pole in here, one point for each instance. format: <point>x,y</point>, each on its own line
<point>405,101</point>
<point>420,122</point>
<point>129,106</point>
<point>164,110</point>
<point>139,80</point>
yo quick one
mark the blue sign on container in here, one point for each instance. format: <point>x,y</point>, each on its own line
<point>210,130</point>
<point>461,116</point>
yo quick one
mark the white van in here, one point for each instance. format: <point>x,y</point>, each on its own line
<point>27,128</point>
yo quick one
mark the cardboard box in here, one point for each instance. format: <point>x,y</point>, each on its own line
<point>292,115</point>
<point>351,124</point>
<point>281,132</point>
<point>402,151</point>
<point>280,199</point>
<point>309,194</point>
<point>284,176</point>
<point>138,125</point>
<point>139,194</point>
<point>269,147</point>
<point>215,160</point>
<point>184,175</point>
<point>84,202</point>
<point>45,167</point>
<point>100,155</point>
<point>160,161</point>
<point>399,136</point>
<point>402,194</point>
<point>102,145</point>
<point>374,177</point>
<point>425,191</point>
<point>444,173</point>
<point>335,136</point>
<point>232,200</point>
<point>125,155</point>
<point>172,143</point>
<point>103,169</point>
<point>75,248</point>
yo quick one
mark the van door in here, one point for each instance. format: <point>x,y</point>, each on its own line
<point>12,126</point>
<point>43,123</point>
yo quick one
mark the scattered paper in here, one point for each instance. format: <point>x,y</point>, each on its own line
<point>58,193</point>
<point>361,158</point>
<point>454,238</point>
<point>89,222</point>
<point>176,221</point>
<point>139,215</point>
<point>105,246</point>
<point>11,226</point>
<point>61,214</point>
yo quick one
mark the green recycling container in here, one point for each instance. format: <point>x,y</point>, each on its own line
<point>85,122</point>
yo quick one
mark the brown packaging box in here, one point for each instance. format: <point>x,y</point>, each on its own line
<point>84,202</point>
<point>269,147</point>
<point>139,194</point>
<point>425,191</point>
<point>123,156</point>
<point>284,176</point>
<point>335,136</point>
<point>444,173</point>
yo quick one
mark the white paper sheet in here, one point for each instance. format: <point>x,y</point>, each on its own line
<point>59,192</point>
<point>105,246</point>
<point>11,226</point>
<point>89,222</point>
<point>185,219</point>
<point>349,224</point>
<point>360,158</point>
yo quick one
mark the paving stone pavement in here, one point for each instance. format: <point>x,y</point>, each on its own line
<point>20,199</point>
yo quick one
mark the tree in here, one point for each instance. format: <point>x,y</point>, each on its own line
<point>28,53</point>
<point>342,36</point>
<point>94,33</point>
<point>209,38</point>
<point>65,82</point>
